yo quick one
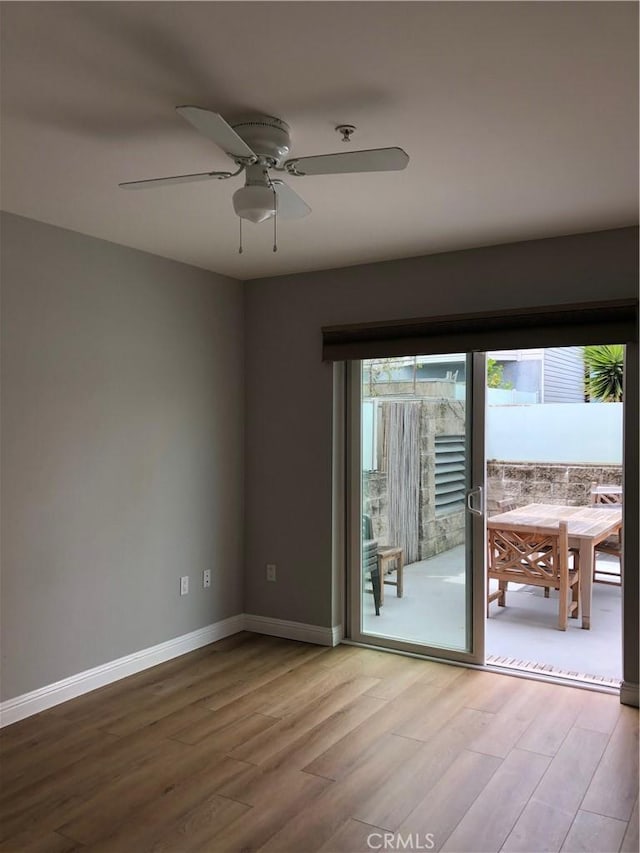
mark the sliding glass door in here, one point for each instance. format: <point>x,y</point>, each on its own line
<point>416,504</point>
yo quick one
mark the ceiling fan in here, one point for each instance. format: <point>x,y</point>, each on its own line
<point>259,144</point>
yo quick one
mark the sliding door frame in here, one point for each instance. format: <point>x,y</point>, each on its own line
<point>475,526</point>
<point>561,325</point>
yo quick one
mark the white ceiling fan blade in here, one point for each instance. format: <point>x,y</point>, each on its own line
<point>175,179</point>
<point>373,160</point>
<point>216,128</point>
<point>290,205</point>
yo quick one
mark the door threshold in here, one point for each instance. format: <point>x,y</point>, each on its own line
<point>507,663</point>
<point>498,666</point>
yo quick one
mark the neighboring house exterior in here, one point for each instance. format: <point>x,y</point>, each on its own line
<point>563,375</point>
<point>553,375</point>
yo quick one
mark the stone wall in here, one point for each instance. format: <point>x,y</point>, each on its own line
<point>554,483</point>
<point>375,503</point>
<point>519,483</point>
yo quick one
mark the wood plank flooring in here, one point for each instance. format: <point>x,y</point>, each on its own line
<point>261,744</point>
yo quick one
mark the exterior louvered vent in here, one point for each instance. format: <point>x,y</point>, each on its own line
<point>450,473</point>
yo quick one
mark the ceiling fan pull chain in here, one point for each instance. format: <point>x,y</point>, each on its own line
<point>240,249</point>
<point>275,219</point>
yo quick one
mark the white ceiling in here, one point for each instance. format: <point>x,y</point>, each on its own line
<point>521,120</point>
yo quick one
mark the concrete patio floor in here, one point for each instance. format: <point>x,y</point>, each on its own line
<point>521,635</point>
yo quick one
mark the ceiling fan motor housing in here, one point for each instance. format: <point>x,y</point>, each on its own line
<point>268,136</point>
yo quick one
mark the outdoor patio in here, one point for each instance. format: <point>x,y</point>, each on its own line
<point>522,635</point>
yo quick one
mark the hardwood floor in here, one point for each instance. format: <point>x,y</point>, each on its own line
<point>257,743</point>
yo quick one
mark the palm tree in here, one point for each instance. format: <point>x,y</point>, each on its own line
<point>604,370</point>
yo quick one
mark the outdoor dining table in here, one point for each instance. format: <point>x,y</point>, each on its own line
<point>587,526</point>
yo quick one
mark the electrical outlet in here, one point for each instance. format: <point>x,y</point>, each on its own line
<point>184,585</point>
<point>206,578</point>
<point>271,571</point>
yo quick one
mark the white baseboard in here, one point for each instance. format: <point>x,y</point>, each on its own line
<point>629,694</point>
<point>13,710</point>
<point>45,697</point>
<point>337,634</point>
<point>293,630</point>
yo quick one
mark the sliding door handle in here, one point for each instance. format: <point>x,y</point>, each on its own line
<point>476,507</point>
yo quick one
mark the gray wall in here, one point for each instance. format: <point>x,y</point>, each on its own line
<point>289,389</point>
<point>123,389</point>
<point>122,451</point>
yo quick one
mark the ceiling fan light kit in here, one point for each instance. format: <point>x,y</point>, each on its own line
<point>256,200</point>
<point>257,204</point>
<point>260,143</point>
